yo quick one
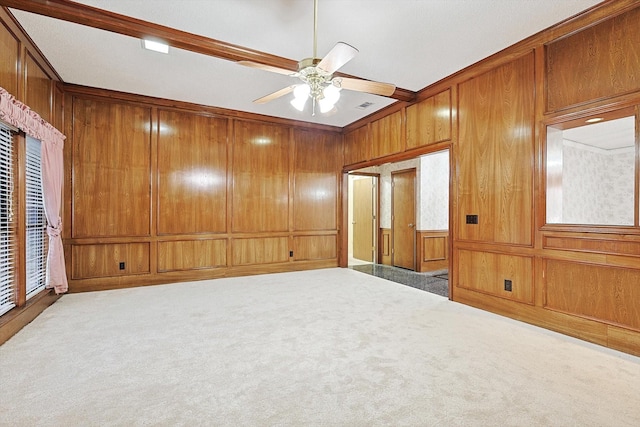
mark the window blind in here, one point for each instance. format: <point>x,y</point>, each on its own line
<point>8,240</point>
<point>36,221</point>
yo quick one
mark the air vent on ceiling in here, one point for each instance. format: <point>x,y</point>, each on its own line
<point>364,105</point>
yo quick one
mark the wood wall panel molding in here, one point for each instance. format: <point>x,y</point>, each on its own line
<point>598,62</point>
<point>192,173</point>
<point>318,158</point>
<point>495,154</point>
<point>357,146</point>
<point>429,121</point>
<point>486,272</point>
<point>105,260</point>
<point>384,248</point>
<point>9,60</point>
<point>432,250</point>
<point>38,90</point>
<point>265,250</point>
<point>307,248</point>
<point>387,135</point>
<point>260,178</point>
<point>598,292</point>
<point>170,104</point>
<point>111,169</point>
<point>191,254</point>
<point>593,245</point>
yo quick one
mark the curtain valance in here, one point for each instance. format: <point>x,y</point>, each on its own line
<point>22,117</point>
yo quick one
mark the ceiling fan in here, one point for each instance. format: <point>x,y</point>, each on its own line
<point>316,74</point>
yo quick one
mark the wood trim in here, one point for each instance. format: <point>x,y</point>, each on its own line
<point>23,38</point>
<point>105,94</point>
<point>432,262</point>
<point>125,25</point>
<point>20,170</point>
<point>384,246</point>
<point>101,284</point>
<point>19,317</point>
<point>589,330</point>
<point>399,157</point>
<point>343,227</point>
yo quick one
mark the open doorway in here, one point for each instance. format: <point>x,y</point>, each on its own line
<point>421,186</point>
<point>363,214</point>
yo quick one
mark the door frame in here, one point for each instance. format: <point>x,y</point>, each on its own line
<point>415,214</point>
<point>346,199</point>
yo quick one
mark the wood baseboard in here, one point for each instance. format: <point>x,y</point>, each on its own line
<point>107,283</point>
<point>19,317</point>
<point>611,336</point>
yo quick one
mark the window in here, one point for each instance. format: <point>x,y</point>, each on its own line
<point>8,243</point>
<point>591,177</point>
<point>36,256</point>
<point>14,290</point>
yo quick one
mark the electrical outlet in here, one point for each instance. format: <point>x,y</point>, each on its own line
<point>472,219</point>
<point>122,265</point>
<point>508,285</point>
<point>290,253</point>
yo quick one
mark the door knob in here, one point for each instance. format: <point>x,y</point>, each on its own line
<point>410,225</point>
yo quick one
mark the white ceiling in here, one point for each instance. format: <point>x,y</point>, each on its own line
<point>611,136</point>
<point>411,43</point>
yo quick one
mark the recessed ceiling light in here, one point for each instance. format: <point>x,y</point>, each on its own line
<point>594,120</point>
<point>155,46</point>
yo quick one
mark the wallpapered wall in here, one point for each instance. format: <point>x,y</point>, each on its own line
<point>432,190</point>
<point>597,186</point>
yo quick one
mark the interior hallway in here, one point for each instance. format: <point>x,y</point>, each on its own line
<point>436,282</point>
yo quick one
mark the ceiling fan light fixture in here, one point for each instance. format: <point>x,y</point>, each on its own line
<point>331,95</point>
<point>300,96</point>
<point>302,91</point>
<point>298,103</point>
<point>317,77</point>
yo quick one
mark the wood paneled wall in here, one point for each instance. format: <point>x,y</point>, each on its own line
<point>157,193</point>
<point>432,250</point>
<point>582,281</point>
<point>26,75</point>
<point>595,63</point>
<point>429,121</point>
<point>111,171</point>
<point>384,246</point>
<point>495,151</point>
<point>192,173</point>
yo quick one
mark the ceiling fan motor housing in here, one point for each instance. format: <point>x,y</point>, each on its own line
<point>315,77</point>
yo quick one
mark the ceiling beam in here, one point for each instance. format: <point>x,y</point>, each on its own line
<point>121,24</point>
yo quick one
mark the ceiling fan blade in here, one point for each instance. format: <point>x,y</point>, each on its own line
<point>274,95</point>
<point>376,88</point>
<point>337,57</point>
<point>265,67</point>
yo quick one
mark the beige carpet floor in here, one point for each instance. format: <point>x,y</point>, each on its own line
<point>330,347</point>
